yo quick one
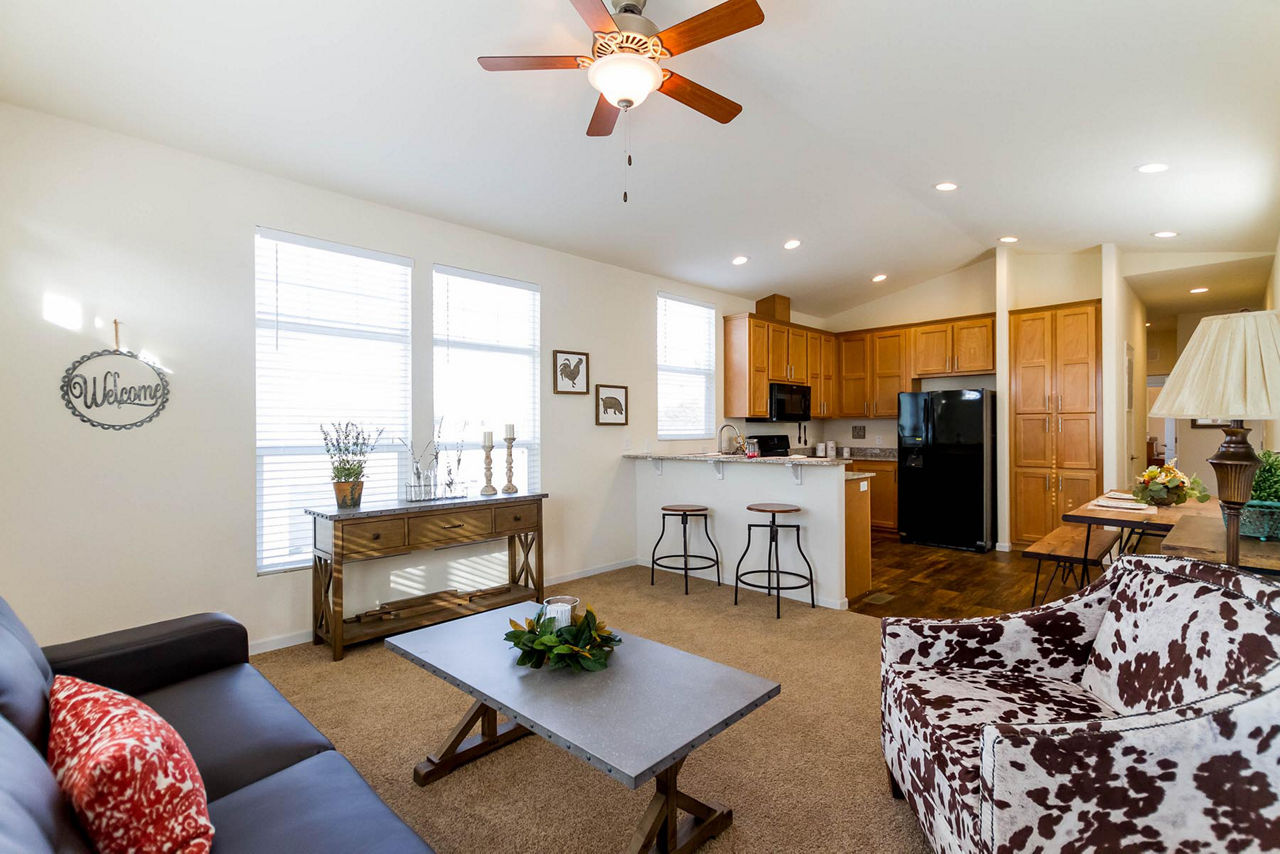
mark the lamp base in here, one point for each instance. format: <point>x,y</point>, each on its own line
<point>1234,464</point>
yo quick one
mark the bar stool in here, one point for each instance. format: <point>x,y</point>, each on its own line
<point>774,564</point>
<point>685,512</point>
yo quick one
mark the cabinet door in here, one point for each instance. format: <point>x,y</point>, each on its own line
<point>974,344</point>
<point>758,390</point>
<point>827,373</point>
<point>888,372</point>
<point>884,495</point>
<point>779,365</point>
<point>813,360</point>
<point>1033,498</point>
<point>1031,362</point>
<point>798,355</point>
<point>1076,349</point>
<point>931,352</point>
<point>1033,441</point>
<point>1076,488</point>
<point>1077,441</point>
<point>855,398</point>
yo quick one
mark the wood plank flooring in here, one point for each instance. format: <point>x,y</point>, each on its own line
<point>921,581</point>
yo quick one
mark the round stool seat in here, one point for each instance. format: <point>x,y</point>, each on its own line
<point>684,508</point>
<point>773,508</point>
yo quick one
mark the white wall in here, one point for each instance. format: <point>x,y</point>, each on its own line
<point>968,290</point>
<point>1037,280</point>
<point>1123,405</point>
<point>111,529</point>
<point>1272,439</point>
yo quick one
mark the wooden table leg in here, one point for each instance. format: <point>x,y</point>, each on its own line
<point>460,747</point>
<point>335,610</point>
<point>538,569</point>
<point>663,831</point>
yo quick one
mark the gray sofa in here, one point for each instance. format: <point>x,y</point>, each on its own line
<point>274,783</point>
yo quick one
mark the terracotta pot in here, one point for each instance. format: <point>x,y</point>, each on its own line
<point>347,492</point>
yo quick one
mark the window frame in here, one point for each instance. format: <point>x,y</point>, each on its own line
<point>708,430</point>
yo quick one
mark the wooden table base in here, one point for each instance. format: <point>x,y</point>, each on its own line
<point>662,830</point>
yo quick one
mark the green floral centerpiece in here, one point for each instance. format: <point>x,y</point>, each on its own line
<point>585,644</point>
<point>1165,486</point>
<point>1260,517</point>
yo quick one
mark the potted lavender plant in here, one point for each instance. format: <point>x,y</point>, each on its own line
<point>348,447</point>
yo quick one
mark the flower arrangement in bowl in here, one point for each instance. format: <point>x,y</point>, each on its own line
<point>348,447</point>
<point>584,644</point>
<point>1260,517</point>
<point>1165,486</point>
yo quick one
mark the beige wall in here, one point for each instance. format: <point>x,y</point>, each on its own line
<point>1053,279</point>
<point>113,529</point>
<point>968,290</point>
<point>1273,303</point>
<point>1162,351</point>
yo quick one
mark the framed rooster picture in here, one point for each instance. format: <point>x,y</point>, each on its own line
<point>569,372</point>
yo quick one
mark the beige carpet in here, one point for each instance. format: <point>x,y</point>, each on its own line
<point>802,773</point>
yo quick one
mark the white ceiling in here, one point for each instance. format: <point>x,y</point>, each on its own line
<point>1040,110</point>
<point>1232,285</point>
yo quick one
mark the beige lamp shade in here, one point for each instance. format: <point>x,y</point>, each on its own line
<point>1230,369</point>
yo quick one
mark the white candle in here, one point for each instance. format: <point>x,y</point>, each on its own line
<point>488,438</point>
<point>511,431</point>
<point>561,612</point>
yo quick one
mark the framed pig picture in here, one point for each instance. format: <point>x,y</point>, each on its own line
<point>611,405</point>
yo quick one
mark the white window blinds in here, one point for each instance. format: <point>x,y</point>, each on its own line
<point>686,369</point>
<point>487,372</point>
<point>333,345</point>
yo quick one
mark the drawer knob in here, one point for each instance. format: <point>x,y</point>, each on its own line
<point>451,527</point>
<point>377,536</point>
<point>516,517</point>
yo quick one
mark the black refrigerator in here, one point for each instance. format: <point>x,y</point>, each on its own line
<point>947,468</point>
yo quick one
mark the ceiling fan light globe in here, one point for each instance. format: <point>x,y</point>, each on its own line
<point>624,77</point>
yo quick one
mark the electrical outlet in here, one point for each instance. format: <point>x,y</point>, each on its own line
<point>879,440</point>
<point>862,487</point>
<point>860,431</point>
<point>626,443</point>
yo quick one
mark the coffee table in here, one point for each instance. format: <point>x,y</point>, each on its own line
<point>637,720</point>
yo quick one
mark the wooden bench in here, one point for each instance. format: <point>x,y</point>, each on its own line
<point>1070,546</point>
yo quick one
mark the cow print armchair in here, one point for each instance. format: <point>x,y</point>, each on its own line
<point>1140,714</point>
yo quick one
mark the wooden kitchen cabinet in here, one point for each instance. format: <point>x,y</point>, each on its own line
<point>931,353</point>
<point>798,356</point>
<point>779,361</point>
<point>1033,503</point>
<point>884,491</point>
<point>758,352</point>
<point>747,365</point>
<point>827,381</point>
<point>855,376</point>
<point>954,348</point>
<point>890,373</point>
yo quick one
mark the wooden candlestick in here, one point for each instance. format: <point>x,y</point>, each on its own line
<point>510,487</point>
<point>488,488</point>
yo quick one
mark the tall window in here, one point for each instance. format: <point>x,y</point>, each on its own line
<point>332,346</point>
<point>686,369</point>
<point>486,362</point>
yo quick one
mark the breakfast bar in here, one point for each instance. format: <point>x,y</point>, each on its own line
<point>834,513</point>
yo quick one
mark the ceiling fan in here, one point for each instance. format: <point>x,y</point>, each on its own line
<point>624,66</point>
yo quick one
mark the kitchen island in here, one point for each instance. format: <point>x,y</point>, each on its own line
<point>835,516</point>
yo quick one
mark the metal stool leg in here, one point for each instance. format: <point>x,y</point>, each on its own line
<point>653,559</point>
<point>706,529</point>
<point>777,561</point>
<point>1036,587</point>
<point>738,568</point>
<point>813,592</point>
<point>684,539</point>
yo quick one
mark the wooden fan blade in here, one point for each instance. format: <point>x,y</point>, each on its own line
<point>603,119</point>
<point>527,63</point>
<point>596,15</point>
<point>700,98</point>
<point>714,24</point>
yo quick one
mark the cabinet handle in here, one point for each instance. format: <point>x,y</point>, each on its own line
<point>377,536</point>
<point>515,518</point>
<point>451,527</point>
<point>1059,483</point>
<point>1059,423</point>
<point>1059,401</point>
<point>866,408</point>
<point>1046,425</point>
<point>1046,483</point>
<point>1046,401</point>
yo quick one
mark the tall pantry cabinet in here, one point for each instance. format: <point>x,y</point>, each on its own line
<point>1055,356</point>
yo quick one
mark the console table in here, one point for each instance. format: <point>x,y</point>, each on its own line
<point>394,528</point>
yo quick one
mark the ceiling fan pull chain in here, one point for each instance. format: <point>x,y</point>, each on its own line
<point>626,144</point>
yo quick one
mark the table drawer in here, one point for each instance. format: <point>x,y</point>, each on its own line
<point>450,527</point>
<point>517,517</point>
<point>360,537</point>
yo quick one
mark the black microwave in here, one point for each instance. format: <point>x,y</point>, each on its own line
<point>787,402</point>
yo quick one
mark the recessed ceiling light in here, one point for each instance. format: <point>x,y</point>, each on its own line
<point>740,260</point>
<point>945,187</point>
<point>1009,239</point>
<point>1199,290</point>
<point>1153,168</point>
<point>1164,235</point>
<point>791,244</point>
<point>879,277</point>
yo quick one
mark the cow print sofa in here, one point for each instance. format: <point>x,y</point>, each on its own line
<point>1140,714</point>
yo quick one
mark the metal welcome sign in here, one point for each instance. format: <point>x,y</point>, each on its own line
<point>114,390</point>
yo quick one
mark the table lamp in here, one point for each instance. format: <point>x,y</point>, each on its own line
<point>1229,371</point>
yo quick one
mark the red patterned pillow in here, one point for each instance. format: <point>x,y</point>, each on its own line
<point>127,772</point>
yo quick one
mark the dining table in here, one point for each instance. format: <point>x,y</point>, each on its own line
<point>1138,525</point>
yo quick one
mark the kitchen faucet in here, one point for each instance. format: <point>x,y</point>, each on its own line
<point>739,444</point>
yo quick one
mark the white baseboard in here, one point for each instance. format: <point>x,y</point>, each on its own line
<point>278,642</point>
<point>583,573</point>
<point>1004,547</point>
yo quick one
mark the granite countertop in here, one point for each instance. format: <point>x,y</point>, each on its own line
<point>858,475</point>
<point>873,453</point>
<point>391,508</point>
<point>739,458</point>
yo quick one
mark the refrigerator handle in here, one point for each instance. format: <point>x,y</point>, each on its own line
<point>928,421</point>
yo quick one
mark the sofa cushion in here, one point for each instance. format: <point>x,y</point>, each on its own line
<point>34,815</point>
<point>130,778</point>
<point>25,678</point>
<point>238,726</point>
<point>932,731</point>
<point>1175,637</point>
<point>318,806</point>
